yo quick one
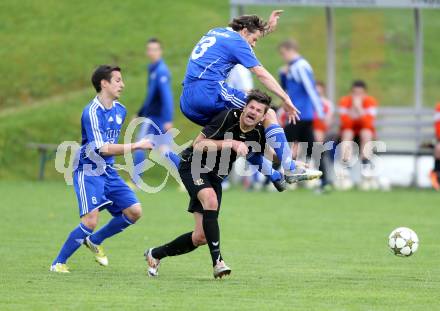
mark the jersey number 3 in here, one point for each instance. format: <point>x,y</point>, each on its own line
<point>202,47</point>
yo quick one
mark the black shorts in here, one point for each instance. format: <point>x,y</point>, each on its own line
<point>206,180</point>
<point>302,131</point>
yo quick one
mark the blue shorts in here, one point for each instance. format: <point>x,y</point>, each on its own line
<point>154,129</point>
<point>201,100</point>
<point>107,191</point>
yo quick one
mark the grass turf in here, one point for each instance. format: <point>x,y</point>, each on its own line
<point>289,251</point>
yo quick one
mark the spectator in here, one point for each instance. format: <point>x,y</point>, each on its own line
<point>435,173</point>
<point>321,127</point>
<point>357,115</point>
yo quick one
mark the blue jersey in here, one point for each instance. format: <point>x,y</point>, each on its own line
<point>299,83</point>
<point>99,126</point>
<point>158,104</point>
<point>217,53</point>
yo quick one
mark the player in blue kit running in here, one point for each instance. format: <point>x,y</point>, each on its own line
<point>97,184</point>
<point>205,92</point>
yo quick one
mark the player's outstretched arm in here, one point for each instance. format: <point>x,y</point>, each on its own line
<point>201,143</point>
<point>272,85</point>
<point>120,149</point>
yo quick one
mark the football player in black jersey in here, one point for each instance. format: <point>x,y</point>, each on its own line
<point>230,134</point>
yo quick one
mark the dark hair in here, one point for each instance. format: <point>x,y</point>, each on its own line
<point>259,96</point>
<point>359,83</point>
<point>251,22</point>
<point>103,72</point>
<point>289,44</point>
<point>154,40</point>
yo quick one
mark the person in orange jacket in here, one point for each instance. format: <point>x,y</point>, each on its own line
<point>435,173</point>
<point>357,117</point>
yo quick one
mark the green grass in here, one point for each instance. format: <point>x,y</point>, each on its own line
<point>290,251</point>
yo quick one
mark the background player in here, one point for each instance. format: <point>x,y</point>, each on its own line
<point>205,92</point>
<point>97,184</point>
<point>298,80</point>
<point>204,184</point>
<point>157,107</point>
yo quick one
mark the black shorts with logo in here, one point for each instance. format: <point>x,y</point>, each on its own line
<point>194,185</point>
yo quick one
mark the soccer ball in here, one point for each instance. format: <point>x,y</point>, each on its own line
<point>403,242</point>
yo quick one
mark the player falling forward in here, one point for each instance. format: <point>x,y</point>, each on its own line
<point>205,92</point>
<point>97,184</point>
<point>230,134</point>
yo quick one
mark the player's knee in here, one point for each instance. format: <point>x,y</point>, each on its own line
<point>198,238</point>
<point>134,212</point>
<point>211,202</point>
<point>437,151</point>
<point>90,220</point>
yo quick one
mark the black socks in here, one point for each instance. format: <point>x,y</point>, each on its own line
<point>181,245</point>
<point>212,234</point>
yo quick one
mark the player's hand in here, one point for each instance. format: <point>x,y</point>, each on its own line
<point>240,148</point>
<point>273,20</point>
<point>291,111</point>
<point>167,126</point>
<point>144,144</point>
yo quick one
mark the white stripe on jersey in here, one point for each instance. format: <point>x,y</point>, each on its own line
<point>95,125</point>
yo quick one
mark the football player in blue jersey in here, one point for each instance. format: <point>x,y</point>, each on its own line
<point>158,108</point>
<point>97,184</point>
<point>205,92</point>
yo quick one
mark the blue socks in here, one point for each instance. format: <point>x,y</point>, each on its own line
<point>114,226</point>
<point>173,158</point>
<point>73,242</point>
<point>264,166</point>
<point>276,138</point>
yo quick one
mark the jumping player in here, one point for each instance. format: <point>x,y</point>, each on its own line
<point>97,184</point>
<point>205,92</point>
<point>230,134</point>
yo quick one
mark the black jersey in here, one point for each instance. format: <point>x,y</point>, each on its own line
<point>225,125</point>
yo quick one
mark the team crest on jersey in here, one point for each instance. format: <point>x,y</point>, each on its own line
<point>118,119</point>
<point>199,182</point>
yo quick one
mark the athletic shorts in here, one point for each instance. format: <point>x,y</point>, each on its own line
<point>107,191</point>
<point>302,131</point>
<point>193,186</point>
<point>202,100</point>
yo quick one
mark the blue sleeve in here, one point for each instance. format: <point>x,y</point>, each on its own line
<point>166,96</point>
<point>92,124</point>
<point>243,54</point>
<point>283,80</point>
<point>148,99</point>
<point>310,86</point>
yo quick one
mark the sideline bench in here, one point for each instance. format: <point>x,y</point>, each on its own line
<point>407,131</point>
<point>46,151</point>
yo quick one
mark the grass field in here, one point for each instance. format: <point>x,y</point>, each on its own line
<point>289,251</point>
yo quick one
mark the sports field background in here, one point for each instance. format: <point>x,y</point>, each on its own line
<point>288,251</point>
<point>49,49</point>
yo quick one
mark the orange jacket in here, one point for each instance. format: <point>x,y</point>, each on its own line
<point>349,116</point>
